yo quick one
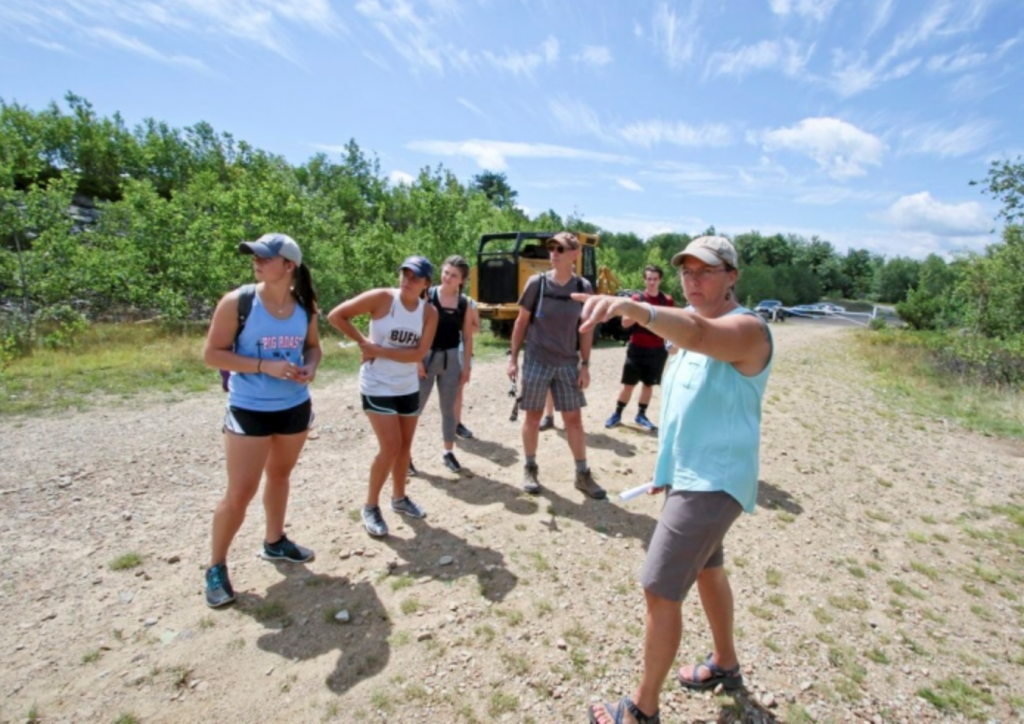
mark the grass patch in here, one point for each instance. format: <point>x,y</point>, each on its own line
<point>125,561</point>
<point>849,602</point>
<point>269,611</point>
<point>502,703</point>
<point>410,605</point>
<point>403,581</point>
<point>773,577</point>
<point>956,695</point>
<point>823,616</point>
<point>925,570</point>
<point>126,717</point>
<point>91,657</point>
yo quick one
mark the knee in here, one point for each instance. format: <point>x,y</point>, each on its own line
<point>573,420</point>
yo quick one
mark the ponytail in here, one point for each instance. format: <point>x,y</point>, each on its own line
<point>303,290</point>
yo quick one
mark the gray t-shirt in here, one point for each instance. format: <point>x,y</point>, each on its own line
<point>552,338</point>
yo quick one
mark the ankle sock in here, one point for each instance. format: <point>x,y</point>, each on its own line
<point>619,407</point>
<point>531,459</point>
<point>643,409</point>
<point>581,466</point>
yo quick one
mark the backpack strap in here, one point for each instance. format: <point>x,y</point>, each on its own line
<point>536,301</point>
<point>246,294</point>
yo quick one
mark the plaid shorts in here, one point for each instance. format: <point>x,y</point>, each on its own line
<point>564,382</point>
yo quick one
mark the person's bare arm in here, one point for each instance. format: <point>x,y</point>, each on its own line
<point>375,302</point>
<point>740,339</point>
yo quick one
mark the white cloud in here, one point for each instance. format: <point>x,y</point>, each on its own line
<point>814,9</point>
<point>880,16</point>
<point>962,60</point>
<point>839,148</point>
<point>525,63</point>
<point>765,55</point>
<point>922,213</point>
<point>595,55</point>
<point>49,45</point>
<point>471,107</point>
<point>401,178</point>
<point>494,155</point>
<point>574,116</point>
<point>629,184</point>
<point>674,36</point>
<point>650,133</point>
<point>947,142</point>
<point>266,23</point>
<point>112,38</point>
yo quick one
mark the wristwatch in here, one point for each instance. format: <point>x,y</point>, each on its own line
<point>584,363</point>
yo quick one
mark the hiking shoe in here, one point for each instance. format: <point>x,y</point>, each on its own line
<point>450,462</point>
<point>405,506</point>
<point>614,420</point>
<point>530,482</point>
<point>642,421</point>
<point>413,472</point>
<point>218,586</point>
<point>464,432</point>
<point>285,550</point>
<point>585,484</point>
<point>373,521</point>
<point>547,423</point>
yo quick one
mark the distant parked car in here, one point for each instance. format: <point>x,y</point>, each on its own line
<point>767,307</point>
<point>830,308</point>
<point>807,310</point>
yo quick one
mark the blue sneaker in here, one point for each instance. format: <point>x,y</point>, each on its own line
<point>642,421</point>
<point>218,586</point>
<point>285,550</point>
<point>614,420</point>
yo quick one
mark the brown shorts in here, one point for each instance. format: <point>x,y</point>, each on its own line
<point>688,539</point>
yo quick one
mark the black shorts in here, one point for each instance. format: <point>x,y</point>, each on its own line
<point>644,364</point>
<point>253,423</point>
<point>401,405</point>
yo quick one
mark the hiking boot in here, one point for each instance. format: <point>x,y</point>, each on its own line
<point>373,521</point>
<point>450,462</point>
<point>218,586</point>
<point>285,550</point>
<point>413,472</point>
<point>405,506</point>
<point>585,484</point>
<point>642,421</point>
<point>614,420</point>
<point>464,432</point>
<point>547,423</point>
<point>530,482</point>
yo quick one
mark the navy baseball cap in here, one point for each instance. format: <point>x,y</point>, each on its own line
<point>418,265</point>
<point>270,245</point>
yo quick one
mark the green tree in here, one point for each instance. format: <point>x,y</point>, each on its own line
<point>496,188</point>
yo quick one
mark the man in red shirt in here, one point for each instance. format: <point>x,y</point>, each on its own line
<point>645,355</point>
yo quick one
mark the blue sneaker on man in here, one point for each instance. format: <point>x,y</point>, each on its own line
<point>614,420</point>
<point>642,421</point>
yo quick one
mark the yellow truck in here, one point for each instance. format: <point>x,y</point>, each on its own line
<point>507,260</point>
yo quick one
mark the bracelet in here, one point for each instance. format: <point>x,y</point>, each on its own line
<point>654,315</point>
<point>258,365</point>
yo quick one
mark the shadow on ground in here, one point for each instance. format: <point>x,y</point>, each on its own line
<point>298,612</point>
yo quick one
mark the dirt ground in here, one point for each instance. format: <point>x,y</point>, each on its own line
<point>878,567</point>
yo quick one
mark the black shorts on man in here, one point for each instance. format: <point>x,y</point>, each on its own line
<point>644,364</point>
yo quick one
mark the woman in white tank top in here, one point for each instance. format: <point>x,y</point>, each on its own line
<point>402,327</point>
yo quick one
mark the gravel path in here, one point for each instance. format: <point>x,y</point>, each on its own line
<point>879,565</point>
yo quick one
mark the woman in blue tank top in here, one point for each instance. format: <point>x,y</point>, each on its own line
<point>707,462</point>
<point>272,353</point>
<point>402,326</point>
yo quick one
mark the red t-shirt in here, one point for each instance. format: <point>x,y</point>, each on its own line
<point>642,337</point>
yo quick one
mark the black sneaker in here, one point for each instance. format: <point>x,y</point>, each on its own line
<point>413,472</point>
<point>464,432</point>
<point>450,462</point>
<point>285,550</point>
<point>547,423</point>
<point>218,586</point>
<point>531,484</point>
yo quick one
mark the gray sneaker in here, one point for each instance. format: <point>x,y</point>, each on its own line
<point>530,482</point>
<point>405,506</point>
<point>585,483</point>
<point>373,521</point>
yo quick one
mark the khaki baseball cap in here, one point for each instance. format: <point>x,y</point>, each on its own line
<point>713,250</point>
<point>565,238</point>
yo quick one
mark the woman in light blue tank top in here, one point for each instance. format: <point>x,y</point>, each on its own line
<point>272,353</point>
<point>707,463</point>
<point>402,327</point>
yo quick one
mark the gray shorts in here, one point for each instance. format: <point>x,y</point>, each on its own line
<point>688,539</point>
<point>563,381</point>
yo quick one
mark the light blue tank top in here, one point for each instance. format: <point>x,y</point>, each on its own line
<point>269,338</point>
<point>710,431</point>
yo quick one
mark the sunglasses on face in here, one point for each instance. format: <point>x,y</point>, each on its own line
<point>557,249</point>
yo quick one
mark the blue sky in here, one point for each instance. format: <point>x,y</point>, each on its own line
<point>860,122</point>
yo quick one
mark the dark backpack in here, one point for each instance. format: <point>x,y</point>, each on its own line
<point>246,293</point>
<point>540,293</point>
<point>435,299</point>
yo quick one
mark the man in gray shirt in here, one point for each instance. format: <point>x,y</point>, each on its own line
<point>557,359</point>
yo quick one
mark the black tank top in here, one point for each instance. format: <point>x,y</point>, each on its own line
<point>449,322</point>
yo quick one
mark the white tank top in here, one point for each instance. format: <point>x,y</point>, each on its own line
<point>398,329</point>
